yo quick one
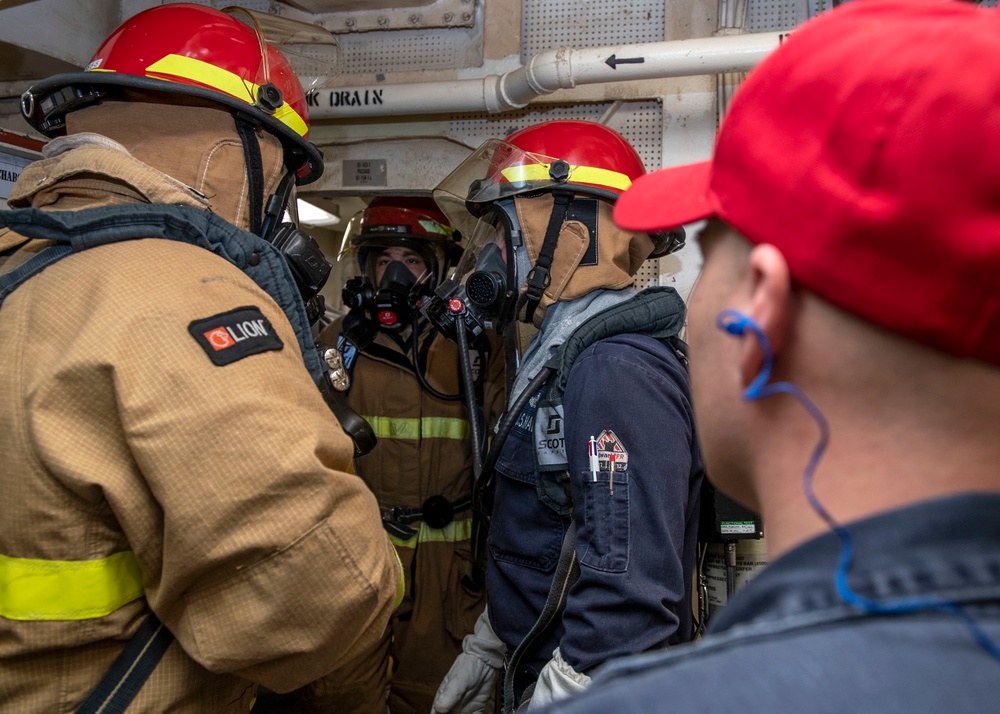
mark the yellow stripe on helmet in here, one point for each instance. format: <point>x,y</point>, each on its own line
<point>290,118</point>
<point>578,174</point>
<point>432,226</point>
<point>224,81</point>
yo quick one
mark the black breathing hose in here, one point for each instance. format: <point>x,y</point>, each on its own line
<point>415,349</point>
<point>482,489</point>
<point>470,400</point>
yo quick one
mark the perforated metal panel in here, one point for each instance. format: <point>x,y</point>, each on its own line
<point>551,24</point>
<point>398,50</point>
<point>259,5</point>
<point>411,50</point>
<point>775,15</point>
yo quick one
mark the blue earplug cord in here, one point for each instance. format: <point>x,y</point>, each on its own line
<point>737,323</point>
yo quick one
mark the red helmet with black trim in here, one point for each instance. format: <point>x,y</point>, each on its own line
<point>413,222</point>
<point>193,50</point>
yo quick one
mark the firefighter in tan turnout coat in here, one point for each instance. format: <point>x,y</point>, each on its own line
<point>421,470</point>
<point>164,446</point>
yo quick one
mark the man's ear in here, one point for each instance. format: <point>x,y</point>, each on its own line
<point>770,306</point>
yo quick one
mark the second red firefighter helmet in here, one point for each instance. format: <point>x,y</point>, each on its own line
<point>413,222</point>
<point>545,195</point>
<point>583,157</point>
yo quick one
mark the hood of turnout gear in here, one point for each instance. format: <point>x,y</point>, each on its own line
<point>620,253</point>
<point>195,145</point>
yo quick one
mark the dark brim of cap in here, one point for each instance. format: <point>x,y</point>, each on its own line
<point>666,198</point>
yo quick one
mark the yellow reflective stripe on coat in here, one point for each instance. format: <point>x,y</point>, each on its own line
<point>579,174</point>
<point>424,428</point>
<point>452,533</point>
<point>49,590</point>
<point>224,81</point>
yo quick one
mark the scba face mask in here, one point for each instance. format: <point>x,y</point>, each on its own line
<point>487,284</point>
<point>393,304</point>
<point>401,247</point>
<point>482,291</point>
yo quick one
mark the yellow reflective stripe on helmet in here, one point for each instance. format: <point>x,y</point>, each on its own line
<point>452,533</point>
<point>224,81</point>
<point>432,226</point>
<point>427,428</point>
<point>290,118</point>
<point>48,590</point>
<point>579,174</point>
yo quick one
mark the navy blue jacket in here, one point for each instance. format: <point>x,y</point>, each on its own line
<point>787,643</point>
<point>636,537</point>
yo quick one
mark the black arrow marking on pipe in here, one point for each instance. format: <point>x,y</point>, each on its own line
<point>613,62</point>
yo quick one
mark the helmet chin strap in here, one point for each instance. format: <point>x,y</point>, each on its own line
<point>255,170</point>
<point>539,276</point>
<point>263,218</point>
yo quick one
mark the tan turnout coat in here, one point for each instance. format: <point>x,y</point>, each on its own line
<point>424,450</point>
<point>257,549</point>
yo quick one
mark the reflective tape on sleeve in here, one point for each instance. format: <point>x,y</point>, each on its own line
<point>50,590</point>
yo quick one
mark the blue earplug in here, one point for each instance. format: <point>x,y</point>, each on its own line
<point>737,323</point>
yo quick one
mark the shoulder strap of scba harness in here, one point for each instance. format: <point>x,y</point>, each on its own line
<point>658,312</point>
<point>74,231</point>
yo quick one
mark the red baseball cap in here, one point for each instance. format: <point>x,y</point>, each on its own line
<point>866,148</point>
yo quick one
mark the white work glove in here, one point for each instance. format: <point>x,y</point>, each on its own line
<point>468,686</point>
<point>557,680</point>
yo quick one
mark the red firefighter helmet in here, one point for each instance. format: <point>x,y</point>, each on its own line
<point>586,157</point>
<point>564,154</point>
<point>413,222</point>
<point>193,50</point>
<point>599,160</point>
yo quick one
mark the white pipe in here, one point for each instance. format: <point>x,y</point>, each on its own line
<point>547,72</point>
